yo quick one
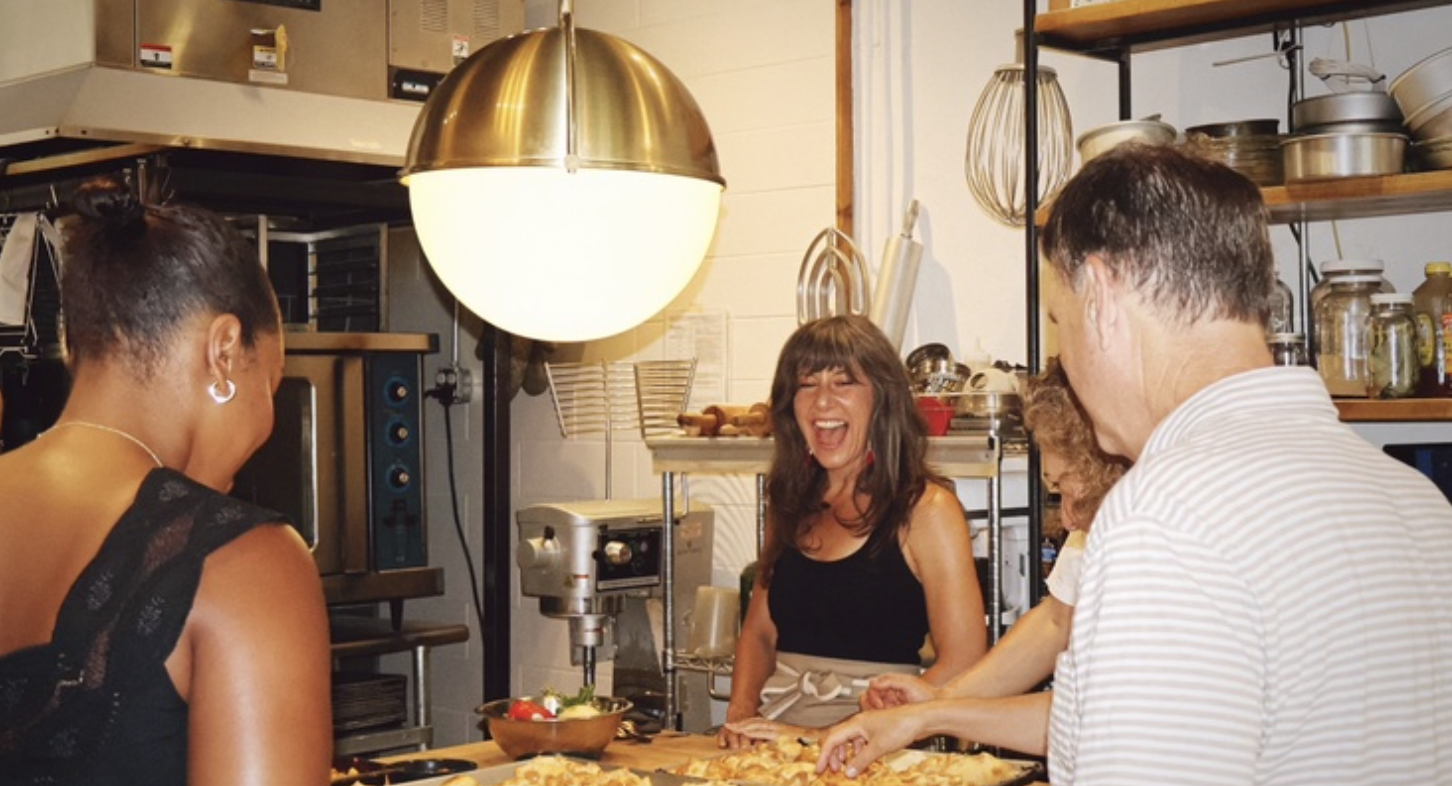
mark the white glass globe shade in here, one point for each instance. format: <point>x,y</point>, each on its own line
<point>563,256</point>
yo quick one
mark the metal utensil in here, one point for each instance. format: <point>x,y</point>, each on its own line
<point>996,143</point>
<point>834,278</point>
<point>628,731</point>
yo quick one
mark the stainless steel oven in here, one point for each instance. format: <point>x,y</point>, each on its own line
<point>345,459</point>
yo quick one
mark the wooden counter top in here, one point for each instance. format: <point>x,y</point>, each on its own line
<point>665,752</point>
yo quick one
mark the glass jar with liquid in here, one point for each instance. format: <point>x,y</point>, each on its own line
<point>1392,362</point>
<point>1331,271</point>
<point>1341,322</point>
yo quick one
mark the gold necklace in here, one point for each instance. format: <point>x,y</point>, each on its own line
<point>118,432</point>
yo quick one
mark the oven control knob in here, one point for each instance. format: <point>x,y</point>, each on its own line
<point>397,391</point>
<point>537,553</point>
<point>399,477</point>
<point>617,553</point>
<point>398,432</point>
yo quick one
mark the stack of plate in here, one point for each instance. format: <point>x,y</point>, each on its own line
<point>1250,147</point>
<point>367,701</point>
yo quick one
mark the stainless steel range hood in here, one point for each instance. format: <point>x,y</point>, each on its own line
<point>312,79</point>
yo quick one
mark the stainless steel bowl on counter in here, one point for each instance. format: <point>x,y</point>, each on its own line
<point>586,736</point>
<point>1325,156</point>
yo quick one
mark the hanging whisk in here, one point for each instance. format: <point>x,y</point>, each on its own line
<point>996,142</point>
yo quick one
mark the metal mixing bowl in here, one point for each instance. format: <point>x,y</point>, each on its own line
<point>582,736</point>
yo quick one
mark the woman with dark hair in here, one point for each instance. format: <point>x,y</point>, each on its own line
<point>994,702</point>
<point>155,630</point>
<point>867,550</point>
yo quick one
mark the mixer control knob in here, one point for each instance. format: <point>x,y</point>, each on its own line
<point>617,553</point>
<point>536,553</point>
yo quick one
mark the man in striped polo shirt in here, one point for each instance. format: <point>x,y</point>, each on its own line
<point>1267,598</point>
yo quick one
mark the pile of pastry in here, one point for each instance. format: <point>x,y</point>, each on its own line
<point>791,762</point>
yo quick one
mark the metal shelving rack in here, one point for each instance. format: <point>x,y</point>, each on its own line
<point>969,457</point>
<point>1116,31</point>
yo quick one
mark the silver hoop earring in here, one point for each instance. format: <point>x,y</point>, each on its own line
<point>220,397</point>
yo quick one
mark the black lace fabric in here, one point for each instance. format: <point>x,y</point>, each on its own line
<point>96,704</point>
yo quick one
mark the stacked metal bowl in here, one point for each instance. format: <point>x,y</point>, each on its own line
<point>1250,147</point>
<point>1345,135</point>
<point>1424,94</point>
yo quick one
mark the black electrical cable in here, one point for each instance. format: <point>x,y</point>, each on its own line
<point>447,399</point>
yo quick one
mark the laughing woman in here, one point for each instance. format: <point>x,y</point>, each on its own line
<point>867,550</point>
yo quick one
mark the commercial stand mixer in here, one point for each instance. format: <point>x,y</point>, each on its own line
<point>594,564</point>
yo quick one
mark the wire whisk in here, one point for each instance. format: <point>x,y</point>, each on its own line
<point>996,141</point>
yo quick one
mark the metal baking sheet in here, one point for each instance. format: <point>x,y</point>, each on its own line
<point>499,773</point>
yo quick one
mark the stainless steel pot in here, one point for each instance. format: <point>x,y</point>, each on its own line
<point>987,403</point>
<point>1322,156</point>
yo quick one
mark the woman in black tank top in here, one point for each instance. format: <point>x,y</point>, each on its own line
<point>157,631</point>
<point>867,549</point>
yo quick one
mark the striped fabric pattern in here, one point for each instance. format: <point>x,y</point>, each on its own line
<point>1267,599</point>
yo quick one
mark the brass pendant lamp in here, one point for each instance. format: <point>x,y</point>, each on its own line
<point>564,183</point>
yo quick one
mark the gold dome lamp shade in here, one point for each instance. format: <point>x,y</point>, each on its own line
<point>564,183</point>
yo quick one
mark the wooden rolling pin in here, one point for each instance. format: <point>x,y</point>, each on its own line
<point>727,420</point>
<point>755,421</point>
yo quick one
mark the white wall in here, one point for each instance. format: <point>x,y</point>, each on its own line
<point>762,71</point>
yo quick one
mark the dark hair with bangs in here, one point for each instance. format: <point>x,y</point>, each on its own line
<point>134,272</point>
<point>1189,234</point>
<point>898,474</point>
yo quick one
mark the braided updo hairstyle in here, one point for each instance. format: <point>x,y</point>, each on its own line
<point>133,273</point>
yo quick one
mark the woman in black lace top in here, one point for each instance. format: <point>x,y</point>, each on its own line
<point>155,630</point>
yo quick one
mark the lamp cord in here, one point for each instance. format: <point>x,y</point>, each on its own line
<point>445,395</point>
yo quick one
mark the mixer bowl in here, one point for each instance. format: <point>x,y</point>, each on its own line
<point>587,737</point>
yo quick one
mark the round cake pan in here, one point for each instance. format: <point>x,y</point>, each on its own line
<point>1323,156</point>
<point>1374,106</point>
<point>1435,153</point>
<point>1238,128</point>
<point>1423,83</point>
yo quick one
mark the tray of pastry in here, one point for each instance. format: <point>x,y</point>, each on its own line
<point>791,762</point>
<point>560,771</point>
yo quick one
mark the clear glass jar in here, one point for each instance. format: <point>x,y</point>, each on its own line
<point>1331,270</point>
<point>1281,307</point>
<point>1340,319</point>
<point>1288,349</point>
<point>1392,337</point>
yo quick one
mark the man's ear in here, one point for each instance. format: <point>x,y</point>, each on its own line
<point>1100,306</point>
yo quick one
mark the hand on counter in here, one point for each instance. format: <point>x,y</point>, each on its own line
<point>748,732</point>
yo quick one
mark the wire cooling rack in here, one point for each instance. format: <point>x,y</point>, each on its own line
<point>605,397</point>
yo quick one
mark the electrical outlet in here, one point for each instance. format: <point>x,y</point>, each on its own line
<point>460,379</point>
